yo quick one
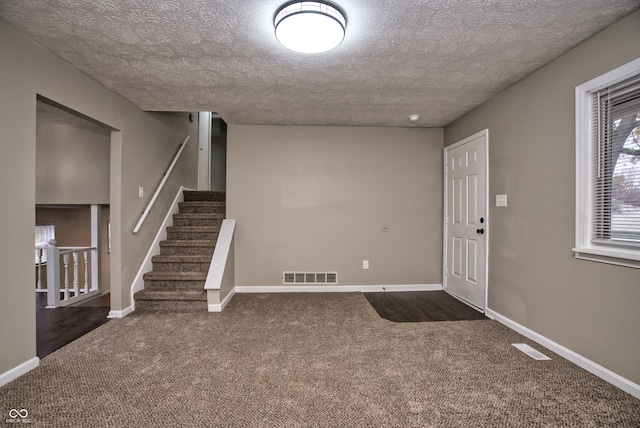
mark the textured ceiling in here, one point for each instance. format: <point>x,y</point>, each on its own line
<point>436,58</point>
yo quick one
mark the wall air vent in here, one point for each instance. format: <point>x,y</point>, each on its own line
<point>310,277</point>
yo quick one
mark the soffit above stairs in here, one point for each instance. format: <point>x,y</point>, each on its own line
<point>436,58</point>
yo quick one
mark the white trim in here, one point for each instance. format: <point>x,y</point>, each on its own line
<point>19,370</point>
<point>585,248</point>
<point>337,288</point>
<point>121,314</point>
<point>96,213</point>
<point>204,152</point>
<point>219,307</point>
<point>154,248</point>
<point>220,255</point>
<point>610,257</point>
<point>484,133</point>
<point>616,380</point>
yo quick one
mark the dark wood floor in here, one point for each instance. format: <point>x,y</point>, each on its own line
<point>421,306</point>
<point>58,327</point>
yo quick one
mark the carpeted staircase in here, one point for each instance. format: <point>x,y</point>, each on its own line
<point>176,283</point>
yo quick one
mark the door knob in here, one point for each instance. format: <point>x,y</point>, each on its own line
<point>480,231</point>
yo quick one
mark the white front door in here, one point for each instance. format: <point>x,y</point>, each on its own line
<point>465,237</point>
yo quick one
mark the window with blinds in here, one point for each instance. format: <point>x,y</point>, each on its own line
<point>608,167</point>
<point>615,140</point>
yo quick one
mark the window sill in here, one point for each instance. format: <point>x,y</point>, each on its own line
<point>618,258</point>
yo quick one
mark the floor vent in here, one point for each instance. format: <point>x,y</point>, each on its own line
<point>536,355</point>
<point>310,277</point>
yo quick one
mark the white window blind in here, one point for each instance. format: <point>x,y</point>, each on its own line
<point>615,146</point>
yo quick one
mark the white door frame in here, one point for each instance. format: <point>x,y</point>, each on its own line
<point>484,133</point>
<point>204,150</point>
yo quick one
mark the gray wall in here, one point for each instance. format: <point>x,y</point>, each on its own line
<point>142,145</point>
<point>588,307</point>
<point>316,199</point>
<point>72,164</point>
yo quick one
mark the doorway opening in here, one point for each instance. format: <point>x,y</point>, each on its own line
<point>72,256</point>
<point>212,152</point>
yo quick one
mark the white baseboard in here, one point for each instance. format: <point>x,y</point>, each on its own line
<point>121,314</point>
<point>337,288</point>
<point>219,307</point>
<point>18,371</point>
<point>624,384</point>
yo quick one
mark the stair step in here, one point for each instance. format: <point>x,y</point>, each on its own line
<point>171,295</point>
<point>187,247</point>
<point>200,195</point>
<point>173,285</point>
<point>192,232</point>
<point>202,207</point>
<point>198,219</point>
<point>170,306</point>
<point>181,263</point>
<point>171,301</point>
<point>174,281</point>
<point>175,276</point>
<point>181,266</point>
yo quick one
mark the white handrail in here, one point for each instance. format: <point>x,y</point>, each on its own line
<point>160,186</point>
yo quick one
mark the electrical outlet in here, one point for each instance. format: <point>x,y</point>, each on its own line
<point>140,192</point>
<point>365,264</point>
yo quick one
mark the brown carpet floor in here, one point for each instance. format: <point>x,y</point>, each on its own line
<point>309,360</point>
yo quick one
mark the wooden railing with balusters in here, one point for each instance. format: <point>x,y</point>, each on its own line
<point>71,274</point>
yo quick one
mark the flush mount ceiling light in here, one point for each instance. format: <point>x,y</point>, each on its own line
<point>310,26</point>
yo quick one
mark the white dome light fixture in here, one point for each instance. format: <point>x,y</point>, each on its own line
<point>310,26</point>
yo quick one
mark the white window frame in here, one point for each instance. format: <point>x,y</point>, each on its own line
<point>585,248</point>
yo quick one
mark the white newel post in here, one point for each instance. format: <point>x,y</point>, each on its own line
<point>53,275</point>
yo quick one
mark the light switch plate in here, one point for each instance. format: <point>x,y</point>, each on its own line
<point>140,192</point>
<point>501,200</point>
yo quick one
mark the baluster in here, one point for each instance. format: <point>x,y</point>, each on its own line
<point>86,271</point>
<point>65,260</point>
<point>75,273</point>
<point>39,284</point>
